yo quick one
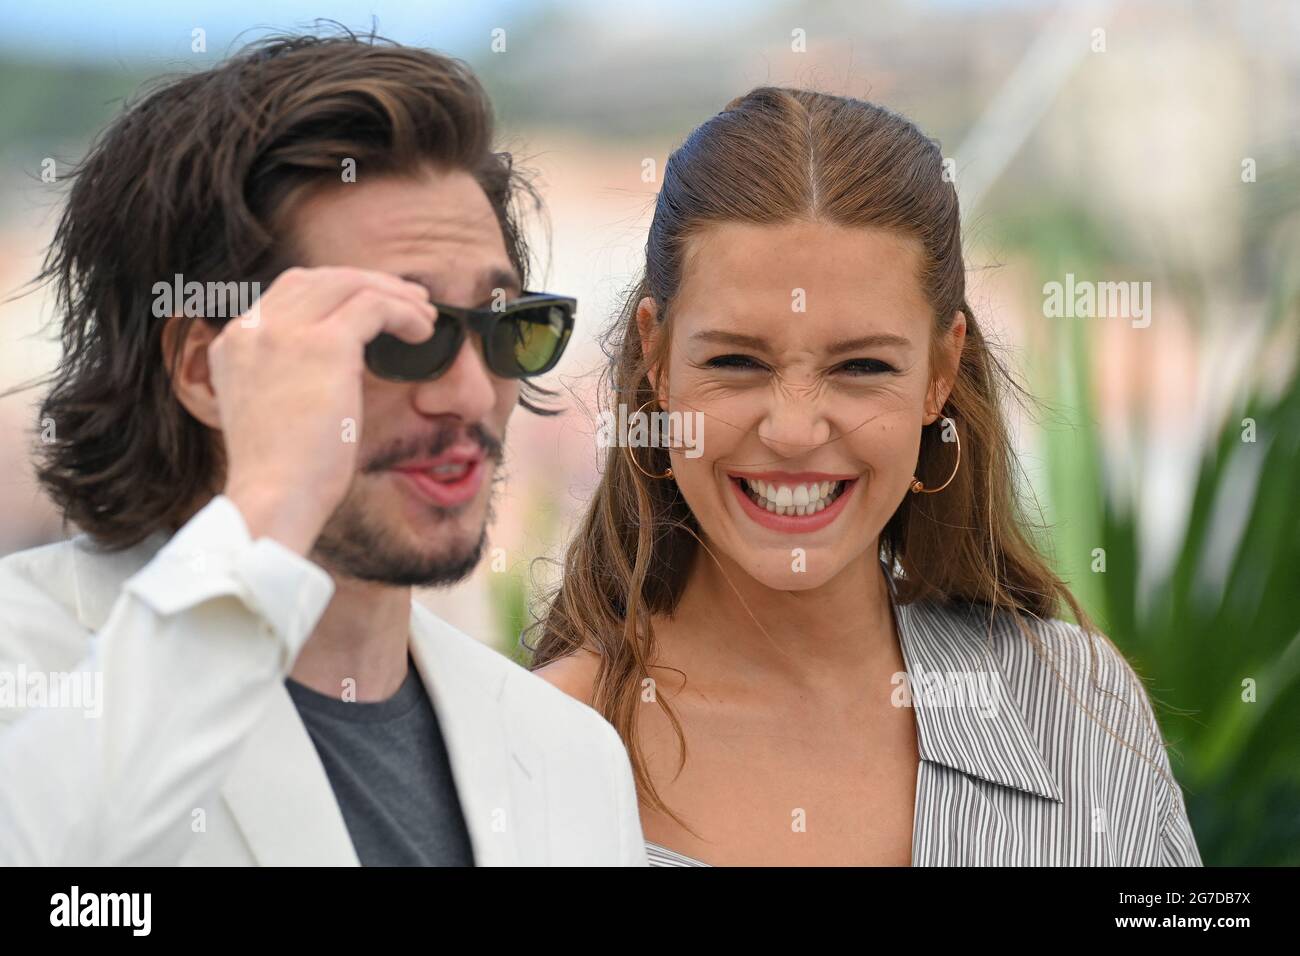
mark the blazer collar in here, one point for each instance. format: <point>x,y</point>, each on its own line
<point>98,575</point>
<point>278,790</point>
<point>281,796</point>
<point>967,719</point>
<point>495,764</point>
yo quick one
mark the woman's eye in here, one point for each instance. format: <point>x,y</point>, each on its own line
<point>733,361</point>
<point>867,367</point>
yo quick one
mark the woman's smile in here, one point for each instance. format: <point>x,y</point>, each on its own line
<point>792,502</point>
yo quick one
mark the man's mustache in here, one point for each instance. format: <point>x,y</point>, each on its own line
<point>429,446</point>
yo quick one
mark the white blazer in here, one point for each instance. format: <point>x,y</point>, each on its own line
<point>174,740</point>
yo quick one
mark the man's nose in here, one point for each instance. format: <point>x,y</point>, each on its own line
<point>467,389</point>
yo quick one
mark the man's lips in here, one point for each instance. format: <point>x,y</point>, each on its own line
<point>449,479</point>
<point>464,453</point>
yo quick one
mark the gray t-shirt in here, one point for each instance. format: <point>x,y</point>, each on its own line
<point>388,766</point>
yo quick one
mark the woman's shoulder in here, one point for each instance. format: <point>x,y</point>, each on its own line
<point>574,673</point>
<point>1060,674</point>
<point>1088,712</point>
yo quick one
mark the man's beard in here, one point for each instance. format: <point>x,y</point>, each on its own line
<point>355,545</point>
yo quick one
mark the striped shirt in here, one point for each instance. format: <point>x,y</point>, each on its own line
<point>1013,772</point>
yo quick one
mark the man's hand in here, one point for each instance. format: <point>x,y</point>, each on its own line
<point>289,381</point>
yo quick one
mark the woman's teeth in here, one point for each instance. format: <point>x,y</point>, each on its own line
<point>806,499</point>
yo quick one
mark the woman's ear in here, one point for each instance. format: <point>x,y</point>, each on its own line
<point>647,325</point>
<point>949,365</point>
<point>190,375</point>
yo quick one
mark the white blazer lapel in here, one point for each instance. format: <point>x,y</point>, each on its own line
<point>498,778</point>
<point>281,796</point>
<point>279,793</point>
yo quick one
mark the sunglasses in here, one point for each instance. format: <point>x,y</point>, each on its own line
<point>524,338</point>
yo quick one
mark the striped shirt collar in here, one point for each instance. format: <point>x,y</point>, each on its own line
<point>967,718</point>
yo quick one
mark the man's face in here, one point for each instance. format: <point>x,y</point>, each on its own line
<point>419,505</point>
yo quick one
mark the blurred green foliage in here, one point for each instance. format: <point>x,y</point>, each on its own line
<point>1216,632</point>
<point>52,106</point>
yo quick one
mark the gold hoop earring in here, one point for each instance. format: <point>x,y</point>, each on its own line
<point>918,487</point>
<point>627,446</point>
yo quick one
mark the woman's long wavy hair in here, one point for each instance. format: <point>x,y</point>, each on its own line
<point>777,156</point>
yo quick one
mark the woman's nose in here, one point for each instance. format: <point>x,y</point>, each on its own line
<point>794,424</point>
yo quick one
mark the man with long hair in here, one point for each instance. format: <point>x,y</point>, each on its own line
<point>292,298</point>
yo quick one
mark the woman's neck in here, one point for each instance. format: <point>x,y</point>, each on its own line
<point>728,619</point>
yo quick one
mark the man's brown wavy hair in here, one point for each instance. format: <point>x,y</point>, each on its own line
<point>197,177</point>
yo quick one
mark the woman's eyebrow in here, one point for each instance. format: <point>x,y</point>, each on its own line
<point>731,338</point>
<point>839,348</point>
<point>868,341</point>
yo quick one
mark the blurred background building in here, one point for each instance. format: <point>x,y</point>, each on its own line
<point>1113,141</point>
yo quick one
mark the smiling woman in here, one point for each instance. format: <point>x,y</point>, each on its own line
<point>745,618</point>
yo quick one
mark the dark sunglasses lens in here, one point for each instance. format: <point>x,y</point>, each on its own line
<point>530,341</point>
<point>389,357</point>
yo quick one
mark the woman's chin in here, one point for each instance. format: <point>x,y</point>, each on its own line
<point>794,570</point>
<point>794,582</point>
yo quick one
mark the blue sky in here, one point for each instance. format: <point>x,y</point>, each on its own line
<point>94,30</point>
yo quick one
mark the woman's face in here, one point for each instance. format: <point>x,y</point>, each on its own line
<point>802,351</point>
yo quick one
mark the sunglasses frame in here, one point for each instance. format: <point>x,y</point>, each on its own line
<point>483,322</point>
